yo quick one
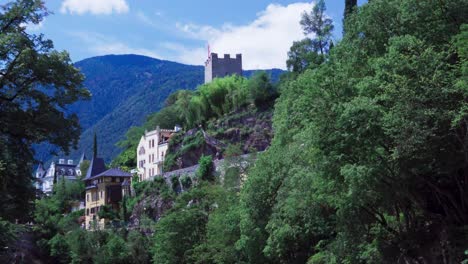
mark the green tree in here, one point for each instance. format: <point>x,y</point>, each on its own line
<point>84,166</point>
<point>367,146</point>
<point>302,55</point>
<point>350,5</point>
<point>206,170</point>
<point>316,22</point>
<point>260,88</point>
<point>95,146</point>
<point>37,83</point>
<point>127,158</point>
<point>139,247</point>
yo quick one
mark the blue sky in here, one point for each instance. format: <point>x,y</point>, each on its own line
<point>179,30</point>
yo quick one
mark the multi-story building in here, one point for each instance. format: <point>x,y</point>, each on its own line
<point>220,67</point>
<point>104,190</point>
<point>63,169</point>
<point>151,151</point>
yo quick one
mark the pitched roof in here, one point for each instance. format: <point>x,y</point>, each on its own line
<point>96,166</point>
<point>82,158</point>
<point>114,172</point>
<point>126,182</point>
<point>40,168</point>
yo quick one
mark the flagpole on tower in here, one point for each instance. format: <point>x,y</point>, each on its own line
<point>209,51</point>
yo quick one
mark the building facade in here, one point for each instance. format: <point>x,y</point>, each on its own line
<point>220,67</point>
<point>104,191</point>
<point>151,152</point>
<point>63,169</point>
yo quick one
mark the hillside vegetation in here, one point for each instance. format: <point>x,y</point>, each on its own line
<point>368,164</point>
<point>125,89</point>
<point>227,108</point>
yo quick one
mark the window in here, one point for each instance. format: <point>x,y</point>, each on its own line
<point>113,179</point>
<point>141,151</point>
<point>87,197</point>
<point>93,210</point>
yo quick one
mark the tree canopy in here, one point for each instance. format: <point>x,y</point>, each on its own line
<point>37,83</point>
<point>368,164</point>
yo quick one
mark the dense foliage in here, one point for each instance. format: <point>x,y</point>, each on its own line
<point>37,83</point>
<point>62,239</point>
<point>369,161</point>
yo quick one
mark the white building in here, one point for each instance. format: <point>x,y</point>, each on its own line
<point>64,169</point>
<point>151,152</point>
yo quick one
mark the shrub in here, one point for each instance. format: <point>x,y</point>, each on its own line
<point>186,181</point>
<point>206,169</point>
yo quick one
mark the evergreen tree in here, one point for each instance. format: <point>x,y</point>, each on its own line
<point>350,5</point>
<point>316,22</point>
<point>95,146</point>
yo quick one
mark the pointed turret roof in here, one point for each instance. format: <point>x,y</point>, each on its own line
<point>96,166</point>
<point>82,158</point>
<point>40,168</point>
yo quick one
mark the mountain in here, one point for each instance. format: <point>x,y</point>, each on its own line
<point>125,89</point>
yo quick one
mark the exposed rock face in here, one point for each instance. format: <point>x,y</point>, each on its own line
<point>154,206</point>
<point>249,127</point>
<point>194,144</point>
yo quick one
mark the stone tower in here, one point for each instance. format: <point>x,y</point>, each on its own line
<point>219,67</point>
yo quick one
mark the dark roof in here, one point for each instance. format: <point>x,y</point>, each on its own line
<point>126,182</point>
<point>114,172</point>
<point>40,168</point>
<point>96,166</point>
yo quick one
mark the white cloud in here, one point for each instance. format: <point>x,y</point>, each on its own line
<point>146,20</point>
<point>264,43</point>
<point>33,27</point>
<point>94,7</point>
<point>199,32</point>
<point>100,44</point>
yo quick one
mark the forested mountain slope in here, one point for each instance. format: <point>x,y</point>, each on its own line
<point>125,89</point>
